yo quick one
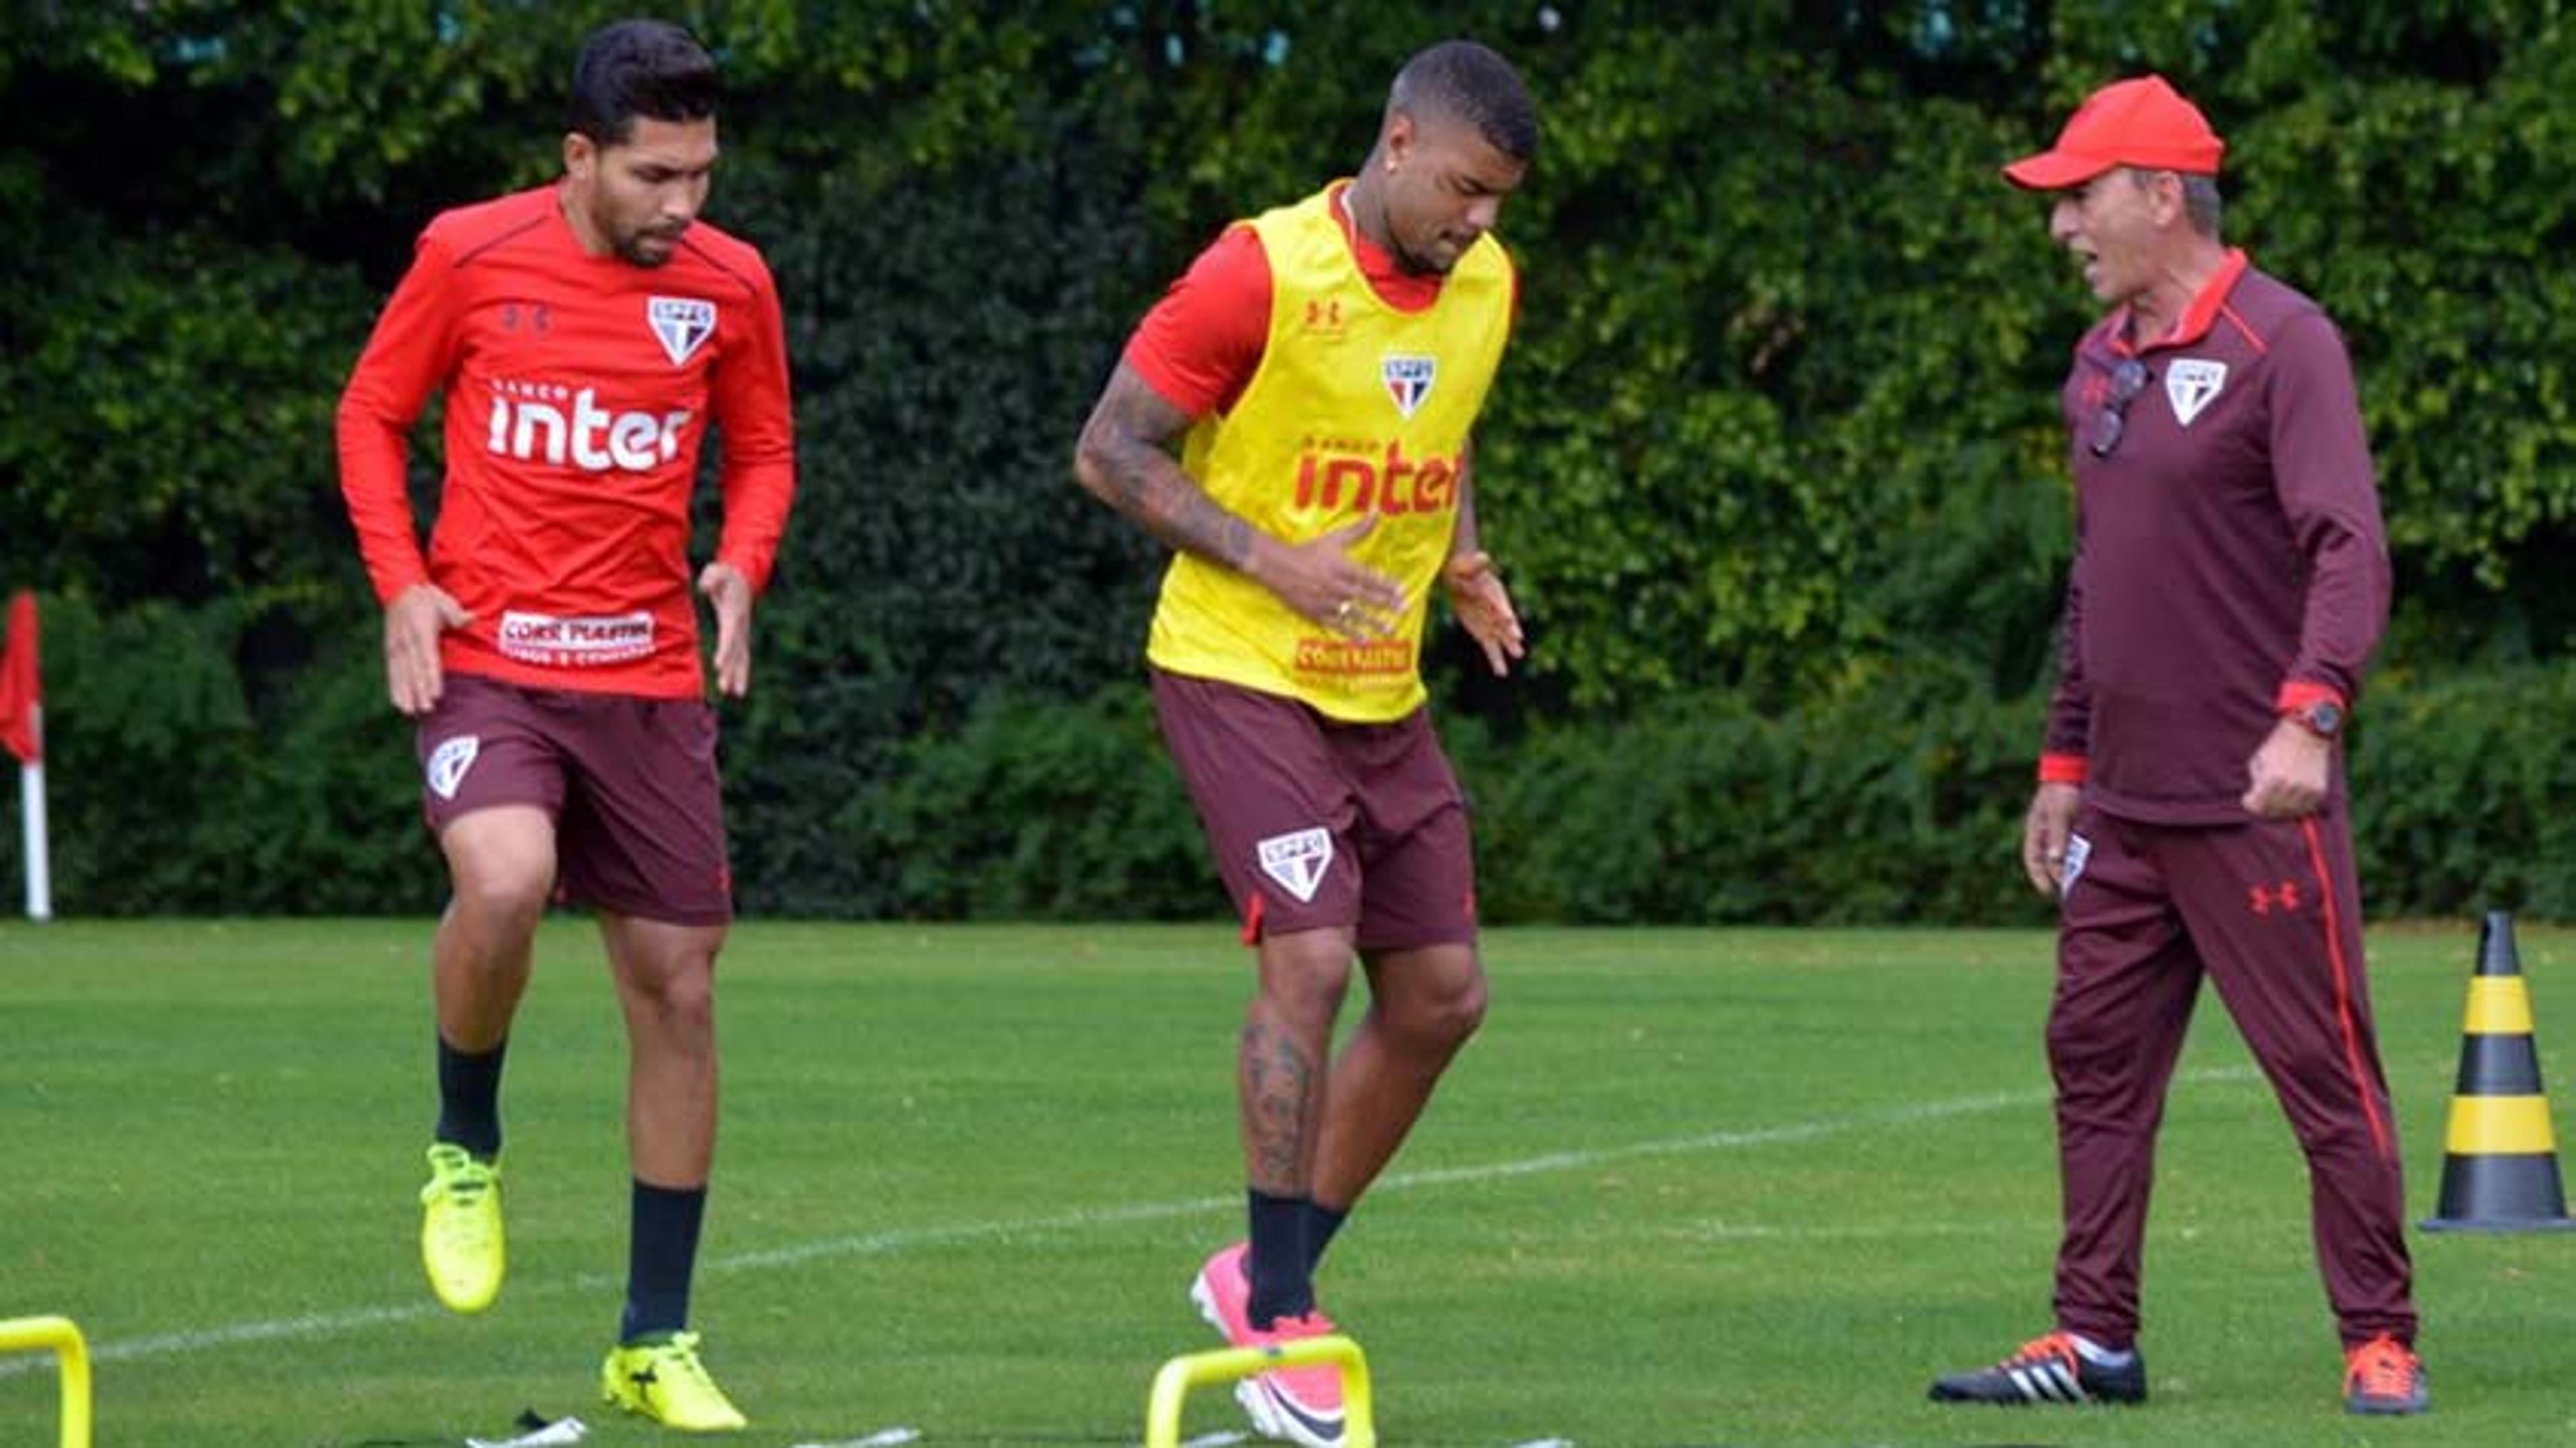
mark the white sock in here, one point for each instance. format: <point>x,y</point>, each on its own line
<point>2098,1355</point>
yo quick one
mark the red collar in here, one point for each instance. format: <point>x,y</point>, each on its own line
<point>2196,319</point>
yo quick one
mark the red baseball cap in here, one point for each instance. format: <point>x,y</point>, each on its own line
<point>2138,122</point>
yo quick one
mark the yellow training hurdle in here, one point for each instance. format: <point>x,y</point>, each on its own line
<point>1225,1365</point>
<point>56,1334</point>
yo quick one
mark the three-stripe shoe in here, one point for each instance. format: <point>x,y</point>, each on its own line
<point>2051,1369</point>
<point>1298,1405</point>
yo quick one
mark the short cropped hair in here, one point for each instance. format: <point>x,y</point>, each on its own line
<point>1465,81</point>
<point>639,68</point>
<point>2200,202</point>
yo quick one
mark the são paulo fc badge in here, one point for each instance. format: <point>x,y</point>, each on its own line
<point>449,761</point>
<point>1298,861</point>
<point>2193,383</point>
<point>682,324</point>
<point>2078,850</point>
<point>1408,380</point>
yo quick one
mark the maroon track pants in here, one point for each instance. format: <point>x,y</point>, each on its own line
<point>2272,913</point>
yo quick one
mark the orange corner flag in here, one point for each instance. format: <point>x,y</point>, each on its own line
<point>21,683</point>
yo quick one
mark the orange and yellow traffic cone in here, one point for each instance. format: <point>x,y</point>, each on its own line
<point>2500,1167</point>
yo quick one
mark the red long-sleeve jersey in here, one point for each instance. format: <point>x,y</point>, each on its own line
<point>578,391</point>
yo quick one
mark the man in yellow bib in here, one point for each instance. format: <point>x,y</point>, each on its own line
<point>1325,363</point>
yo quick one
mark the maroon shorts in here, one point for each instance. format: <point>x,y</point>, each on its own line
<point>1321,824</point>
<point>629,782</point>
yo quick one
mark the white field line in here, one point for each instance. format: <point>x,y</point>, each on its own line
<point>890,1438</point>
<point>1910,1231</point>
<point>877,1244</point>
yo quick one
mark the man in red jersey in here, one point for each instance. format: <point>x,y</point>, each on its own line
<point>586,334</point>
<point>1326,362</point>
<point>2230,582</point>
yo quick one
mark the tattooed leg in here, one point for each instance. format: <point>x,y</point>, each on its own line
<point>1287,1035</point>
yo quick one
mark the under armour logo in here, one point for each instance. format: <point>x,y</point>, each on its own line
<point>2264,899</point>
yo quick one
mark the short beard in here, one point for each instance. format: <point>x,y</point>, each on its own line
<point>630,251</point>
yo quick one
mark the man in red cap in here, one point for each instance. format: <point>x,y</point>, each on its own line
<point>2230,582</point>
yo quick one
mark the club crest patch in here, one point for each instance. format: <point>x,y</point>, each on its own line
<point>2191,384</point>
<point>681,324</point>
<point>1297,861</point>
<point>1408,380</point>
<point>449,761</point>
<point>2078,850</point>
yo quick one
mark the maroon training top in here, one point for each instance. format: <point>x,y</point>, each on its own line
<point>2229,556</point>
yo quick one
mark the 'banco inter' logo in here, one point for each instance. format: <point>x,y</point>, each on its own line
<point>1392,484</point>
<point>529,422</point>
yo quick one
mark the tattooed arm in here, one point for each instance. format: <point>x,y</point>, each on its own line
<point>1124,459</point>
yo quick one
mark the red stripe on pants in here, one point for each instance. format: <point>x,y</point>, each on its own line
<point>2269,912</point>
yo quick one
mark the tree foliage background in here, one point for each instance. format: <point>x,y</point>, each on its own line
<point>1773,467</point>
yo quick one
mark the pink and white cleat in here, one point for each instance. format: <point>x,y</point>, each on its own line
<point>1297,1405</point>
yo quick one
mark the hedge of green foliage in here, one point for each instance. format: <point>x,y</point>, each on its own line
<point>1897,801</point>
<point>1772,466</point>
<point>2465,794</point>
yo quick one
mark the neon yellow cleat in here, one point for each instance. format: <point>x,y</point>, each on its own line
<point>665,1382</point>
<point>460,1228</point>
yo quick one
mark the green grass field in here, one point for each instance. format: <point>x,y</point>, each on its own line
<point>1689,1187</point>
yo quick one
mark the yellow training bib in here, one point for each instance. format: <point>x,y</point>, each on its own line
<point>1357,408</point>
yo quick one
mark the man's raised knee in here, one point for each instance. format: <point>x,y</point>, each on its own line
<point>1446,1018</point>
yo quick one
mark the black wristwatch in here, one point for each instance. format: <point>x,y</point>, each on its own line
<point>2324,718</point>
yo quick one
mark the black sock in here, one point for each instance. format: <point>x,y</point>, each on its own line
<point>469,1098</point>
<point>1321,1223</point>
<point>1282,1284</point>
<point>661,1256</point>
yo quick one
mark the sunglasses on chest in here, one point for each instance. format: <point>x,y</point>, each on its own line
<point>2127,381</point>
